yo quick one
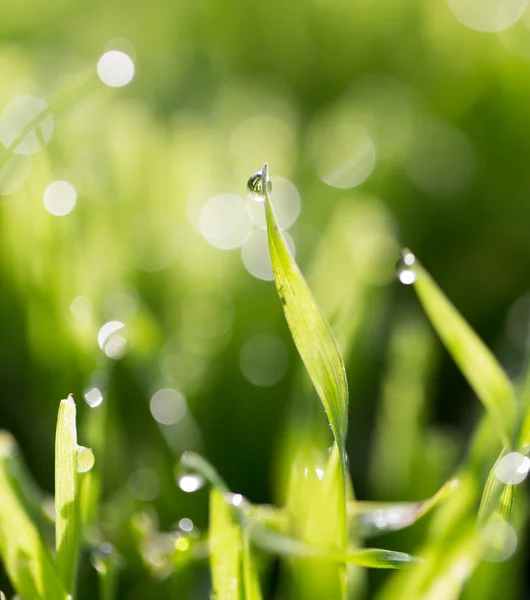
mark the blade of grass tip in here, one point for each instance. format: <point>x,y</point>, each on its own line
<point>311,332</point>
<point>198,465</point>
<point>67,517</point>
<point>25,557</point>
<point>272,541</point>
<point>375,518</point>
<point>474,359</point>
<point>225,549</point>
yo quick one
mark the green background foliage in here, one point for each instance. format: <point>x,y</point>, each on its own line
<point>220,88</point>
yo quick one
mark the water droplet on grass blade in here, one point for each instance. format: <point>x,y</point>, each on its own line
<point>102,557</point>
<point>512,468</point>
<point>85,459</point>
<point>255,186</point>
<point>405,267</point>
<point>188,480</point>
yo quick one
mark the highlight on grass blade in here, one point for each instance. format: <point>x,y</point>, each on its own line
<point>25,557</point>
<point>70,460</point>
<point>376,518</point>
<point>311,332</point>
<point>272,541</point>
<point>473,358</point>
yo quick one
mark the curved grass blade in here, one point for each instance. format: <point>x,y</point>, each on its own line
<point>198,464</point>
<point>375,518</point>
<point>24,556</point>
<point>473,358</point>
<point>272,541</point>
<point>311,332</point>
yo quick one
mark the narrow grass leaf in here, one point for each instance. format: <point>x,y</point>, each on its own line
<point>250,572</point>
<point>375,518</point>
<point>272,541</point>
<point>24,556</point>
<point>67,518</point>
<point>491,493</point>
<point>474,359</point>
<point>225,549</point>
<point>310,330</point>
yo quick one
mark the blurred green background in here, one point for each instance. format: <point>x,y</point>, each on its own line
<point>385,123</point>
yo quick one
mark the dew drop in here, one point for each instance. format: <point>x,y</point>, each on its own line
<point>102,558</point>
<point>512,468</point>
<point>234,499</point>
<point>85,459</point>
<point>188,480</point>
<point>255,186</point>
<point>405,267</point>
<point>186,524</point>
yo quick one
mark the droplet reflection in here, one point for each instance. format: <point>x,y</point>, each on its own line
<point>60,198</point>
<point>285,201</point>
<point>93,397</point>
<point>190,483</point>
<point>115,69</point>
<point>84,459</point>
<point>405,267</point>
<point>111,341</point>
<point>512,468</point>
<point>255,186</point>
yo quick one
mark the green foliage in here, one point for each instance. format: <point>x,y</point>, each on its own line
<point>421,138</point>
<point>311,333</point>
<point>476,362</point>
<point>25,557</point>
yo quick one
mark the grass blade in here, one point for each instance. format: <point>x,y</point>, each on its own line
<point>473,358</point>
<point>225,549</point>
<point>311,333</point>
<point>67,517</point>
<point>24,556</point>
<point>375,518</point>
<point>272,541</point>
<point>250,573</point>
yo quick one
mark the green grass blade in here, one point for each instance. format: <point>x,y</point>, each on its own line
<point>197,464</point>
<point>375,518</point>
<point>24,556</point>
<point>225,549</point>
<point>491,493</point>
<point>310,330</point>
<point>474,359</point>
<point>250,573</point>
<point>67,517</point>
<point>277,543</point>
